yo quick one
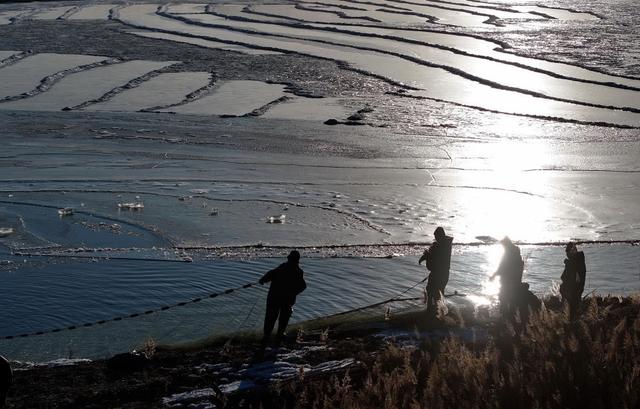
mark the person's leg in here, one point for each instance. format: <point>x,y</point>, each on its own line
<point>270,316</point>
<point>283,320</point>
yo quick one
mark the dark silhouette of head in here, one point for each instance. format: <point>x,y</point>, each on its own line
<point>294,256</point>
<point>439,233</point>
<point>571,248</point>
<point>506,242</point>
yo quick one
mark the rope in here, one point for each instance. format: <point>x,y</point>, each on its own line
<point>387,301</point>
<point>395,298</point>
<point>133,315</point>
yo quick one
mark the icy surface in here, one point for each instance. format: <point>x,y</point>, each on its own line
<point>26,74</point>
<point>165,89</point>
<point>5,16</point>
<point>86,85</point>
<point>477,88</point>
<point>7,54</point>
<point>349,194</point>
<point>204,43</point>
<point>308,109</point>
<point>233,98</point>
<point>49,13</point>
<point>190,397</point>
<point>92,12</point>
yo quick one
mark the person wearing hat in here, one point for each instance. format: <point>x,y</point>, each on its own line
<point>573,278</point>
<point>287,281</point>
<point>438,261</point>
<point>510,272</point>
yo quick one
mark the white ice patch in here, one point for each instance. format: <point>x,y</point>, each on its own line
<point>26,74</point>
<point>308,109</point>
<point>190,397</point>
<point>165,89</point>
<point>203,43</point>
<point>86,85</point>
<point>272,371</point>
<point>93,12</point>
<point>282,370</point>
<point>233,98</point>
<point>237,386</point>
<point>49,364</point>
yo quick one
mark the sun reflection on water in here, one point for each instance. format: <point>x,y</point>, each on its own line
<point>519,205</point>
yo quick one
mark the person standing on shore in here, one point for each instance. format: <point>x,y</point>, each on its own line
<point>438,262</point>
<point>287,281</point>
<point>510,272</point>
<point>573,278</point>
<point>6,376</point>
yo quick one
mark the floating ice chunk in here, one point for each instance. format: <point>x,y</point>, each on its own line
<point>5,231</point>
<point>65,211</point>
<point>277,219</point>
<point>131,206</point>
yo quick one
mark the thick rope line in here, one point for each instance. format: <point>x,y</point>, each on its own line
<point>129,316</point>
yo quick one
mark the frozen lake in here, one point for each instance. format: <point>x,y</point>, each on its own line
<point>487,119</point>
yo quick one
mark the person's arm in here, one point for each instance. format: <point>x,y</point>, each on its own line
<point>424,257</point>
<point>269,276</point>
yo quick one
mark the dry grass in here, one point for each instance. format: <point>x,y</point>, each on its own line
<point>552,363</point>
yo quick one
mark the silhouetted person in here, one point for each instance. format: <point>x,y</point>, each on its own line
<point>510,272</point>
<point>287,281</point>
<point>5,380</point>
<point>573,278</point>
<point>438,261</point>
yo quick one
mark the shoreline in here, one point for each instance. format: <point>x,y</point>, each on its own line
<point>232,370</point>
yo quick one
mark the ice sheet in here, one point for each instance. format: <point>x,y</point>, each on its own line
<point>49,13</point>
<point>186,8</point>
<point>437,83</point>
<point>7,54</point>
<point>5,16</point>
<point>290,11</point>
<point>92,12</point>
<point>233,98</point>
<point>204,43</point>
<point>308,109</point>
<point>165,89</point>
<point>83,86</point>
<point>558,13</point>
<point>26,74</point>
<point>473,70</point>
